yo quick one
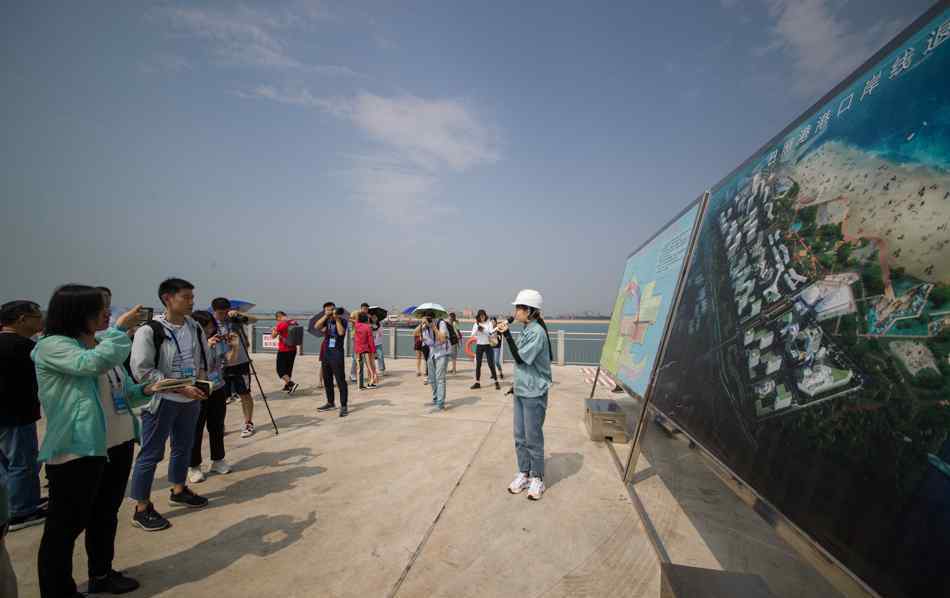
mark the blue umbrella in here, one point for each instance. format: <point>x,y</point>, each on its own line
<point>408,311</point>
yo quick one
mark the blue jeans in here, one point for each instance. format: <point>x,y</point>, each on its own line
<point>171,420</point>
<point>497,352</point>
<point>380,360</point>
<point>529,433</point>
<point>19,470</point>
<point>437,369</point>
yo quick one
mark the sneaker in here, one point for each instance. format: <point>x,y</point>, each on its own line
<point>373,386</point>
<point>112,583</point>
<point>231,399</point>
<point>188,498</point>
<point>326,407</point>
<point>497,385</point>
<point>362,387</point>
<point>536,489</point>
<point>519,484</point>
<point>344,411</point>
<point>149,519</point>
<point>286,387</point>
<point>501,375</point>
<point>248,430</point>
<point>352,378</point>
<point>475,386</point>
<point>35,518</point>
<point>293,387</point>
<point>195,476</point>
<point>220,466</point>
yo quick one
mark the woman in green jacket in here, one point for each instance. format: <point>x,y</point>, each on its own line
<point>532,356</point>
<point>75,391</point>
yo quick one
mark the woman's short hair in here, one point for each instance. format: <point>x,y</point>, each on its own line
<point>71,308</point>
<point>481,316</point>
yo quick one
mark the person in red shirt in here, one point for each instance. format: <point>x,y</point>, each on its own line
<point>286,354</point>
<point>365,348</point>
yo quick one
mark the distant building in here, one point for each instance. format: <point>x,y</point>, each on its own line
<point>822,378</point>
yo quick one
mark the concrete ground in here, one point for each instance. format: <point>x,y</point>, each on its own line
<point>396,499</point>
<point>401,500</point>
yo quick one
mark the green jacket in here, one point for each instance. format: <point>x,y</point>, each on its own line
<point>533,377</point>
<point>67,374</point>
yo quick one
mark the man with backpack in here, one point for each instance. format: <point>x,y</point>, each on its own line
<point>170,346</point>
<point>438,336</point>
<point>289,335</point>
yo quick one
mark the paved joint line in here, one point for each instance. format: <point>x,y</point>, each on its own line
<point>428,534</point>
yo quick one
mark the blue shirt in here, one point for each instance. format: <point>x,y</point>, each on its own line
<point>533,377</point>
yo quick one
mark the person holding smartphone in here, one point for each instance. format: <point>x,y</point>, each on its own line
<point>483,330</point>
<point>87,398</point>
<point>532,355</point>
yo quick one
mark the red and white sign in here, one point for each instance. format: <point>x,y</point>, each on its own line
<point>268,343</point>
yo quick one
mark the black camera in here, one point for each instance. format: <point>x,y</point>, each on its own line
<point>239,319</point>
<point>340,311</point>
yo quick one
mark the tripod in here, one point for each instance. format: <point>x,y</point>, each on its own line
<point>250,361</point>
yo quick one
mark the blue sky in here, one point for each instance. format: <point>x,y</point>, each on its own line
<point>398,152</point>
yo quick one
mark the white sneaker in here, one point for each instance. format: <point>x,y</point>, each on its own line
<point>248,430</point>
<point>536,489</point>
<point>519,484</point>
<point>195,476</point>
<point>220,466</point>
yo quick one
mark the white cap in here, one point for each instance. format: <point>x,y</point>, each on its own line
<point>530,298</point>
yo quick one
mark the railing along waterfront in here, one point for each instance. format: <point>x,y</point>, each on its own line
<point>570,348</point>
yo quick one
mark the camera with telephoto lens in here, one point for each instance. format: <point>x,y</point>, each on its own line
<point>238,319</point>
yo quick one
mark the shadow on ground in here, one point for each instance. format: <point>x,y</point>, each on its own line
<point>260,536</point>
<point>560,466</point>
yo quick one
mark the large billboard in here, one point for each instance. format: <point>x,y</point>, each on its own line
<point>643,304</point>
<point>810,350</point>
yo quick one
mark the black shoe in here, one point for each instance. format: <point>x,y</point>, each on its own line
<point>149,520</point>
<point>286,387</point>
<point>113,583</point>
<point>188,498</point>
<point>500,375</point>
<point>35,518</point>
<point>362,387</point>
<point>293,387</point>
<point>476,386</point>
<point>326,407</point>
<point>344,411</point>
<point>497,385</point>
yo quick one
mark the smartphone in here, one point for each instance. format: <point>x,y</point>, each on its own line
<point>145,314</point>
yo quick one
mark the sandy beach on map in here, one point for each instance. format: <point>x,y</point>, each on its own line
<point>906,206</point>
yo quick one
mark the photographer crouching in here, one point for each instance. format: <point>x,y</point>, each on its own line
<point>532,355</point>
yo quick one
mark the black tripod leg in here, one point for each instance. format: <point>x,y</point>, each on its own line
<point>259,386</point>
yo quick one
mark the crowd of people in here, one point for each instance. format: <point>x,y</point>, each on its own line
<point>104,384</point>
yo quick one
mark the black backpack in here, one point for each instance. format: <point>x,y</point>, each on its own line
<point>158,337</point>
<point>453,335</point>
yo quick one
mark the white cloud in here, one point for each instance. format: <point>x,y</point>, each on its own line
<point>417,140</point>
<point>822,46</point>
<point>242,36</point>
<point>165,63</point>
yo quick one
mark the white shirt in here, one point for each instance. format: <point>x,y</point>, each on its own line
<point>183,365</point>
<point>483,335</point>
<point>119,426</point>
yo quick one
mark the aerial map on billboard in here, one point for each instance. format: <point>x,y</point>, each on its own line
<point>811,350</point>
<point>647,293</point>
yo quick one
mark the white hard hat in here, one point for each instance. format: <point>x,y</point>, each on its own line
<point>529,297</point>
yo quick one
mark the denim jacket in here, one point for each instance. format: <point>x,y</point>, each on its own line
<point>533,377</point>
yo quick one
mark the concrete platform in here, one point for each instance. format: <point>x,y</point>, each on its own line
<point>401,500</point>
<point>396,499</point>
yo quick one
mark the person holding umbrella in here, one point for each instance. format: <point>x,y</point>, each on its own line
<point>532,355</point>
<point>437,337</point>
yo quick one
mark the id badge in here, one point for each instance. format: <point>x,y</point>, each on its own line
<point>187,372</point>
<point>214,378</point>
<point>332,343</point>
<point>118,401</point>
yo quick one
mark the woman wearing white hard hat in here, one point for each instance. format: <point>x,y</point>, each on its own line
<point>532,355</point>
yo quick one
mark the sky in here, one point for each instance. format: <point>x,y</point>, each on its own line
<point>293,152</point>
